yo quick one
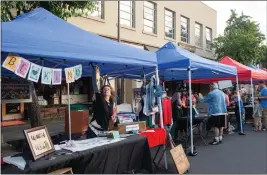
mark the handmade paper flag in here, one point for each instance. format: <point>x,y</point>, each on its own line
<point>46,75</point>
<point>78,71</point>
<point>34,72</point>
<point>69,73</point>
<point>56,76</point>
<point>23,68</point>
<point>11,62</point>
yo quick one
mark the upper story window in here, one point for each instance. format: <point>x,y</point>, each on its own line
<point>198,35</point>
<point>149,17</point>
<point>208,38</point>
<point>185,29</point>
<point>98,10</point>
<point>127,13</point>
<point>169,23</point>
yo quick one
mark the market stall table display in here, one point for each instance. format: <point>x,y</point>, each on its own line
<point>131,153</point>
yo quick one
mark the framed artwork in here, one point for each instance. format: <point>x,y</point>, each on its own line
<point>39,141</point>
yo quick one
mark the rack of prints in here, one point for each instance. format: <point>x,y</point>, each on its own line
<point>23,67</point>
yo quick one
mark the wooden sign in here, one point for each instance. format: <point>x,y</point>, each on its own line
<point>181,162</point>
<point>39,141</point>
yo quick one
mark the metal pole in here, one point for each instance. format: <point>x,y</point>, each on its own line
<point>252,93</point>
<point>68,85</point>
<point>191,112</point>
<point>119,22</point>
<point>161,115</point>
<point>239,105</point>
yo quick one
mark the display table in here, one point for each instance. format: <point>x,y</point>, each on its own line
<point>130,154</point>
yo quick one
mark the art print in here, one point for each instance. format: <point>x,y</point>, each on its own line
<point>46,75</point>
<point>11,62</point>
<point>78,72</point>
<point>56,76</point>
<point>69,73</point>
<point>22,68</point>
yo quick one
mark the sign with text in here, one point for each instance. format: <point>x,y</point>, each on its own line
<point>34,72</point>
<point>39,141</point>
<point>56,76</point>
<point>23,68</point>
<point>69,73</point>
<point>11,62</point>
<point>181,162</point>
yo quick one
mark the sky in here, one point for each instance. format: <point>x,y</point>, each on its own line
<point>255,9</point>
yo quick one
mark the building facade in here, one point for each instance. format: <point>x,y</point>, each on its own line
<point>150,24</point>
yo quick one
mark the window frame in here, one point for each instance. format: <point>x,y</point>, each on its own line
<point>154,28</point>
<point>200,42</point>
<point>208,45</point>
<point>188,29</point>
<point>173,23</point>
<point>132,14</point>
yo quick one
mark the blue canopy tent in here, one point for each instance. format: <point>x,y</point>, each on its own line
<point>176,63</point>
<point>45,39</point>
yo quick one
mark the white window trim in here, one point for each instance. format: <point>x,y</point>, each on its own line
<point>132,13</point>
<point>188,29</point>
<point>173,23</point>
<point>201,35</point>
<point>154,16</point>
<point>210,31</point>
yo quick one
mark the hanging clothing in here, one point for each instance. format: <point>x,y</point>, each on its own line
<point>167,111</point>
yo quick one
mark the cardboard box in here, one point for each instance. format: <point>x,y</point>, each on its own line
<point>125,128</point>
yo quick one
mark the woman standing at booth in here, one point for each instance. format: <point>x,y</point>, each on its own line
<point>104,108</point>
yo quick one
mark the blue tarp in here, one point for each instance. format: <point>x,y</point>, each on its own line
<point>173,62</point>
<point>40,34</point>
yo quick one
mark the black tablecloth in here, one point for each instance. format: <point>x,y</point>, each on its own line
<point>182,122</point>
<point>132,153</point>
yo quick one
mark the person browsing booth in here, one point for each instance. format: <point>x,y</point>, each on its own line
<point>263,102</point>
<point>216,109</point>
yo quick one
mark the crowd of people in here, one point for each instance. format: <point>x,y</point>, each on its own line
<point>218,103</point>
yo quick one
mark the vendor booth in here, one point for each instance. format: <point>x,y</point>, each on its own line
<point>42,39</point>
<point>176,63</point>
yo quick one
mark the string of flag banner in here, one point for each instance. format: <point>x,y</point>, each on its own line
<point>49,76</point>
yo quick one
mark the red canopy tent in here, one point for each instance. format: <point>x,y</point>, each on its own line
<point>244,73</point>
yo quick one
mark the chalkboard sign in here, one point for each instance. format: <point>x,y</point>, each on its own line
<point>16,93</point>
<point>39,141</point>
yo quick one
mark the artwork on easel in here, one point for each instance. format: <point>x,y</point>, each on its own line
<point>39,142</point>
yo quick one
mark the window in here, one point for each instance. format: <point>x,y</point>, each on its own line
<point>169,24</point>
<point>184,29</point>
<point>127,13</point>
<point>198,35</point>
<point>98,10</point>
<point>149,17</point>
<point>208,38</point>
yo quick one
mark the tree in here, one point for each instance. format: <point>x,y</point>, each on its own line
<point>242,40</point>
<point>62,9</point>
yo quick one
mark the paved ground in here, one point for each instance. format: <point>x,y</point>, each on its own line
<point>237,154</point>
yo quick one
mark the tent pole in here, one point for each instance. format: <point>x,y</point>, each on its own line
<point>161,116</point>
<point>191,153</point>
<point>239,105</point>
<point>252,93</point>
<point>68,86</point>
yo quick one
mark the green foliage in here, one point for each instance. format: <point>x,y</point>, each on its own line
<point>62,9</point>
<point>242,40</point>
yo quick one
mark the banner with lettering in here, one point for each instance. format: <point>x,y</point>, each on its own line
<point>78,71</point>
<point>69,73</point>
<point>23,68</point>
<point>56,76</point>
<point>11,62</point>
<point>34,72</point>
<point>46,75</point>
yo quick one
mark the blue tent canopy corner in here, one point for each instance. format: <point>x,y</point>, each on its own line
<point>41,35</point>
<point>173,62</point>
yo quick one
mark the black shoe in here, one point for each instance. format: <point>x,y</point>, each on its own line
<point>220,141</point>
<point>242,134</point>
<point>214,142</point>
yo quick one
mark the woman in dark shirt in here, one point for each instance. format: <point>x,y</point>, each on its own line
<point>104,110</point>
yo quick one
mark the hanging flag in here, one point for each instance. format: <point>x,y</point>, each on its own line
<point>56,76</point>
<point>11,62</point>
<point>46,75</point>
<point>69,73</point>
<point>23,68</point>
<point>78,71</point>
<point>34,72</point>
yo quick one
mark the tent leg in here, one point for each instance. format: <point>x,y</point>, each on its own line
<point>252,93</point>
<point>191,153</point>
<point>239,106</point>
<point>161,116</point>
